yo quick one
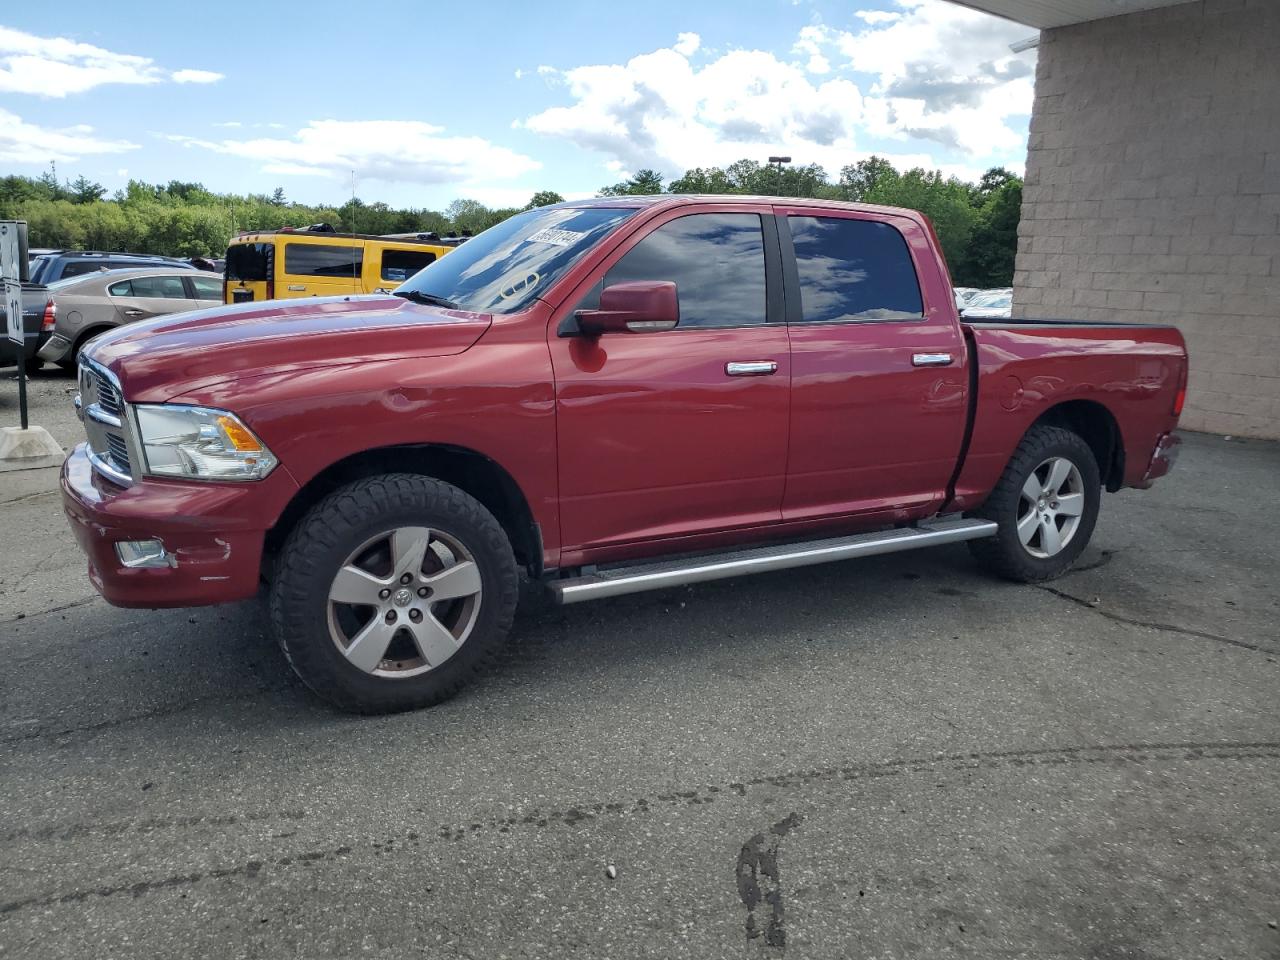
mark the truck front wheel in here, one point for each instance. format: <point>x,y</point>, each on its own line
<point>1045,505</point>
<point>393,592</point>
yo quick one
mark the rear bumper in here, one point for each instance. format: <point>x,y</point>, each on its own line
<point>55,349</point>
<point>1163,458</point>
<point>210,531</point>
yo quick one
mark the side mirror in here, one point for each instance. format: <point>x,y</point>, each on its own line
<point>643,306</point>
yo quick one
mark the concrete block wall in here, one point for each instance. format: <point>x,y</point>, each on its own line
<point>1153,193</point>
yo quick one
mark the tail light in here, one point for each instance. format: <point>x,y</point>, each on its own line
<point>271,289</point>
<point>50,317</point>
<point>1180,397</point>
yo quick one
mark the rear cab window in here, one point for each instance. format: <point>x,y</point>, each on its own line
<point>853,271</point>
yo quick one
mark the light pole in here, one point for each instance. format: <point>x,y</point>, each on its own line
<point>777,163</point>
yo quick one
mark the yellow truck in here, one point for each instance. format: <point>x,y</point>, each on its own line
<point>314,262</point>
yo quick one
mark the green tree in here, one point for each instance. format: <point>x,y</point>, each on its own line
<point>277,197</point>
<point>644,183</point>
<point>858,180</point>
<point>543,198</point>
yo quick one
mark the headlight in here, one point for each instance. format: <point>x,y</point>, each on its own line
<point>199,443</point>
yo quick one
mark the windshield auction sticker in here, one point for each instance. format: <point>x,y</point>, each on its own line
<point>557,238</point>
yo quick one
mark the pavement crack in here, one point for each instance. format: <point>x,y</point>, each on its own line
<point>49,610</point>
<point>1152,624</point>
<point>248,869</point>
<point>166,711</point>
<point>589,811</point>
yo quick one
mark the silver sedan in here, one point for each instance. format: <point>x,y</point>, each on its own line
<point>83,307</point>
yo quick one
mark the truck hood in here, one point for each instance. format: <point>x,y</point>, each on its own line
<point>166,356</point>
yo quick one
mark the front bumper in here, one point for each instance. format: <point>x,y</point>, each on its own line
<point>212,534</point>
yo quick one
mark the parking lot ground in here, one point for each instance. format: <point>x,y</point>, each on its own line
<point>894,758</point>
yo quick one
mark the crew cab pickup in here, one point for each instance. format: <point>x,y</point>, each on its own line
<point>613,395</point>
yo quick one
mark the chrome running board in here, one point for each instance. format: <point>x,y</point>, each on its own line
<point>616,581</point>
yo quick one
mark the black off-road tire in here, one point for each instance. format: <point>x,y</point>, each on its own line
<point>1004,554</point>
<point>319,545</point>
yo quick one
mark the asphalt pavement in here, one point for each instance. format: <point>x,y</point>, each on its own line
<point>891,758</point>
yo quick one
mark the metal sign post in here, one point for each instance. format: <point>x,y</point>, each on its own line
<point>26,446</point>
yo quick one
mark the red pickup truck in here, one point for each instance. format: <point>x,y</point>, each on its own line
<point>614,395</point>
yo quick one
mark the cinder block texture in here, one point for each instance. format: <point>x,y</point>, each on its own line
<point>1153,193</point>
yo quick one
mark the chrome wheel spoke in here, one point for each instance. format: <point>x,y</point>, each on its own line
<point>434,642</point>
<point>1059,471</point>
<point>353,585</point>
<point>1050,539</point>
<point>1032,489</point>
<point>460,580</point>
<point>408,548</point>
<point>1027,526</point>
<point>369,646</point>
<point>1071,504</point>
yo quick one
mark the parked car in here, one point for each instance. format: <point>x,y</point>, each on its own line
<point>315,262</point>
<point>965,294</point>
<point>84,307</point>
<point>52,267</point>
<point>32,307</point>
<point>990,305</point>
<point>618,395</point>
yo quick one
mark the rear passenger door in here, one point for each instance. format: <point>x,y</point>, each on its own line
<point>140,297</point>
<point>876,426</point>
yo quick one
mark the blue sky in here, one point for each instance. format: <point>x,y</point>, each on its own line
<point>430,102</point>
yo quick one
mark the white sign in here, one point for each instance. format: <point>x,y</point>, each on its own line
<point>10,251</point>
<point>557,238</point>
<point>13,310</point>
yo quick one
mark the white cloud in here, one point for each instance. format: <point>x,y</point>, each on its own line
<point>22,142</point>
<point>687,44</point>
<point>230,124</point>
<point>196,76</point>
<point>58,66</point>
<point>391,151</point>
<point>809,44</point>
<point>929,71</point>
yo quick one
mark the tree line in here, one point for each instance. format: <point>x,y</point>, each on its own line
<point>977,223</point>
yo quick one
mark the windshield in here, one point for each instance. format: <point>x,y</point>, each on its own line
<point>36,268</point>
<point>507,266</point>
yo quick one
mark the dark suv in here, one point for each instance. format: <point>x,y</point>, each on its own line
<point>50,267</point>
<point>59,265</point>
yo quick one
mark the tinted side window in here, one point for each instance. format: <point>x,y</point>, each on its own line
<point>716,261</point>
<point>399,265</point>
<point>207,288</point>
<point>317,260</point>
<point>159,288</point>
<point>854,270</point>
<point>76,268</point>
<point>124,288</point>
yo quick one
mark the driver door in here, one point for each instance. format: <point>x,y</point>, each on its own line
<point>680,433</point>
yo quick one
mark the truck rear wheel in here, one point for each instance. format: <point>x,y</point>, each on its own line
<point>393,592</point>
<point>1045,505</point>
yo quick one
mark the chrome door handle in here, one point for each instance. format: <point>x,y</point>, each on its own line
<point>751,368</point>
<point>931,359</point>
<point>133,313</point>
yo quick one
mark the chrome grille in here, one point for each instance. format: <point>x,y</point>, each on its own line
<point>106,423</point>
<point>118,452</point>
<point>109,398</point>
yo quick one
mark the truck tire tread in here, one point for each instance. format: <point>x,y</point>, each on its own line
<point>1003,553</point>
<point>333,526</point>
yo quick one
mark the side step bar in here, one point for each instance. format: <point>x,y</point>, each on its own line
<point>616,581</point>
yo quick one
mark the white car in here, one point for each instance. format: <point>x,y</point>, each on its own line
<point>989,305</point>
